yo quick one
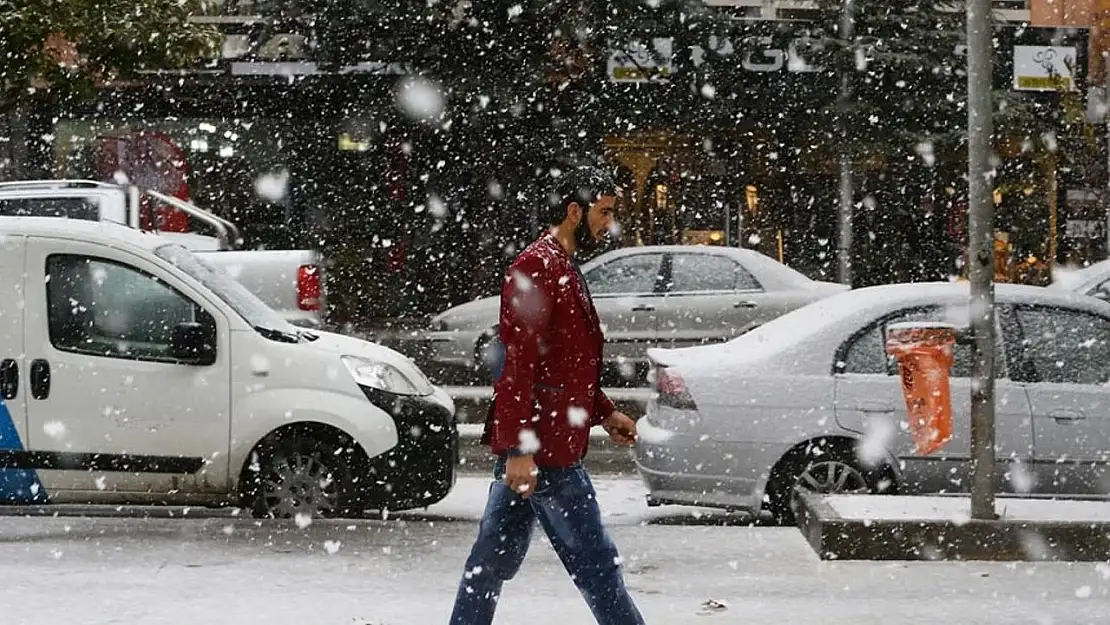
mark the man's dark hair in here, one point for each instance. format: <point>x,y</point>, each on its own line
<point>583,185</point>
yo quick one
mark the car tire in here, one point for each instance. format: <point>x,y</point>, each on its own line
<point>485,369</point>
<point>303,476</point>
<point>816,460</point>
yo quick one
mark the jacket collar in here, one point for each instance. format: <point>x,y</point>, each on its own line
<point>551,241</point>
<point>583,297</point>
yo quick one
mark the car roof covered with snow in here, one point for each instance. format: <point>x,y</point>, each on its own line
<point>770,272</point>
<point>805,341</point>
<point>80,229</point>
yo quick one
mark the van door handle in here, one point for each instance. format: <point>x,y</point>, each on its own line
<point>9,378</point>
<point>643,308</point>
<point>1067,416</point>
<point>40,379</point>
<point>745,304</point>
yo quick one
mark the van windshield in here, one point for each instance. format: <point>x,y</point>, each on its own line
<point>260,316</point>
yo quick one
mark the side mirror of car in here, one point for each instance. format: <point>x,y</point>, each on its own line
<point>194,343</point>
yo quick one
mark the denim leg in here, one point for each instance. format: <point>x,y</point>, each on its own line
<point>503,538</point>
<point>568,511</point>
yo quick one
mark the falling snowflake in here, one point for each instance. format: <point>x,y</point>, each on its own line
<point>303,519</point>
<point>272,186</point>
<point>260,365</point>
<point>577,416</point>
<point>529,442</point>
<point>420,99</point>
<point>54,429</point>
<point>332,546</point>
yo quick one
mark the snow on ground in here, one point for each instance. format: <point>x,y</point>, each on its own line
<point>215,571</point>
<point>950,508</point>
<point>221,569</point>
<point>622,502</point>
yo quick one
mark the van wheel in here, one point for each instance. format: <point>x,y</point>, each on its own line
<point>301,477</point>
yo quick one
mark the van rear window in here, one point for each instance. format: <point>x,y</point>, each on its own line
<point>85,209</point>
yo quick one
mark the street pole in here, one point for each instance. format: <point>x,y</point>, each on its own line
<point>1106,118</point>
<point>981,255</point>
<point>844,246</point>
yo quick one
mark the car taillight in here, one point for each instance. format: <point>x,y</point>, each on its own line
<point>672,390</point>
<point>308,287</point>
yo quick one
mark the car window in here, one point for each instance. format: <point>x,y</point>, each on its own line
<point>708,272</point>
<point>866,352</point>
<point>630,274</point>
<point>1101,291</point>
<point>102,307</point>
<point>1065,346</point>
<point>85,209</point>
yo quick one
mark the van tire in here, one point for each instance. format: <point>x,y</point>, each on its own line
<point>303,471</point>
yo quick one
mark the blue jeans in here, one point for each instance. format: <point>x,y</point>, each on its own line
<point>565,504</point>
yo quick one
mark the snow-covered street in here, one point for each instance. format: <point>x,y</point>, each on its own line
<point>216,569</point>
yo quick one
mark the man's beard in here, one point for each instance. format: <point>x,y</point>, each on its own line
<point>584,240</point>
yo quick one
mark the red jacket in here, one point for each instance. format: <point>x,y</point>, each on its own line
<point>551,382</point>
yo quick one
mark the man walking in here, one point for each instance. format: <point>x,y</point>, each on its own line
<point>545,401</point>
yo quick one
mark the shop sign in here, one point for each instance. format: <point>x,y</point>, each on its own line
<point>1083,229</point>
<point>1044,68</point>
<point>638,63</point>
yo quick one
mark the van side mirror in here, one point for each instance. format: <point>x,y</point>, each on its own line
<point>194,343</point>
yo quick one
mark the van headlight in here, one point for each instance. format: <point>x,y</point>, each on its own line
<point>386,377</point>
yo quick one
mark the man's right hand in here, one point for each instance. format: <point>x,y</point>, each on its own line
<point>521,473</point>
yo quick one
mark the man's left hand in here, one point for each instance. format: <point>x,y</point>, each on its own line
<point>621,428</point>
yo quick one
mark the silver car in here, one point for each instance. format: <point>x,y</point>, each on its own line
<point>1093,280</point>
<point>661,296</point>
<point>812,401</point>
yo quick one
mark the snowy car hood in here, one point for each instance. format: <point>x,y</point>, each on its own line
<point>483,311</point>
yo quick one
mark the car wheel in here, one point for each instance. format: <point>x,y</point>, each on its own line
<point>302,477</point>
<point>825,469</point>
<point>487,359</point>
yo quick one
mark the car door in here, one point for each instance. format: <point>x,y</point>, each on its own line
<point>869,400</point>
<point>709,297</point>
<point>110,406</point>
<point>17,485</point>
<point>625,293</point>
<point>1066,362</point>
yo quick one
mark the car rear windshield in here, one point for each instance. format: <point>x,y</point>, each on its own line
<point>71,207</point>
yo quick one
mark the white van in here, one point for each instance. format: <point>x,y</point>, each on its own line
<point>132,373</point>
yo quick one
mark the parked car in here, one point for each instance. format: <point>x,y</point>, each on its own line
<point>1093,280</point>
<point>289,281</point>
<point>812,401</point>
<point>652,296</point>
<point>132,373</point>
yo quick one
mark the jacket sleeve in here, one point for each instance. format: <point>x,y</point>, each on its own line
<point>524,325</point>
<point>603,407</point>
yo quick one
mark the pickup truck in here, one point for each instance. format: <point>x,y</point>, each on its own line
<point>288,281</point>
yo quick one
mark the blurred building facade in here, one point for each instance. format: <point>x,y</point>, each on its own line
<point>304,155</point>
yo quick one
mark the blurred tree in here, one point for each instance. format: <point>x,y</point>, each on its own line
<point>69,46</point>
<point>54,51</point>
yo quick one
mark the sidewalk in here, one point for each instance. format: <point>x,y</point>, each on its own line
<point>404,572</point>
